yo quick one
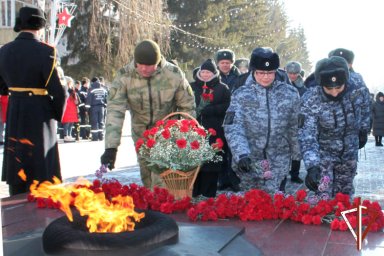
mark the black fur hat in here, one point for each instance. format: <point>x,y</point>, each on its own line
<point>264,59</point>
<point>332,72</point>
<point>29,18</point>
<point>341,52</point>
<point>225,54</point>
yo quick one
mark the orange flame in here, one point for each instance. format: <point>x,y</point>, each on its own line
<point>115,215</point>
<point>22,175</point>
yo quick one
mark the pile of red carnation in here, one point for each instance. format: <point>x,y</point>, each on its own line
<point>254,205</point>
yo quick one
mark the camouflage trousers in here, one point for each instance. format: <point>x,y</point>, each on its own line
<point>255,179</point>
<point>341,176</point>
<point>149,178</point>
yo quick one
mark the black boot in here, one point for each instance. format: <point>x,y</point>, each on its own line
<point>377,141</point>
<point>296,179</point>
<point>295,169</point>
<point>380,138</point>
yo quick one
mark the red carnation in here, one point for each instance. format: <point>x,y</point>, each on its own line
<point>219,144</point>
<point>306,219</point>
<point>316,220</point>
<point>151,143</point>
<point>193,123</point>
<point>374,227</point>
<point>166,134</point>
<point>153,131</point>
<point>160,123</point>
<point>139,143</point>
<point>201,132</point>
<point>205,96</point>
<point>212,131</point>
<point>170,123</point>
<point>353,221</point>
<point>184,128</point>
<point>96,183</point>
<point>301,195</point>
<point>181,143</point>
<point>195,144</point>
<point>185,122</point>
<point>146,133</point>
<point>193,214</point>
<point>343,225</point>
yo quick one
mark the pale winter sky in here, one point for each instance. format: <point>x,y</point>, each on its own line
<point>355,25</point>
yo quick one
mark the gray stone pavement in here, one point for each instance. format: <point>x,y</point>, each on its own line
<point>82,159</point>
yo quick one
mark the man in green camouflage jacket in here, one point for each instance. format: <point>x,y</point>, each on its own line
<point>150,88</point>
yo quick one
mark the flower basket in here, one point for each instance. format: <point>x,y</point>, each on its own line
<point>176,148</point>
<point>179,183</point>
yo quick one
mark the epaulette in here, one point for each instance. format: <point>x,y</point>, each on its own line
<point>52,47</point>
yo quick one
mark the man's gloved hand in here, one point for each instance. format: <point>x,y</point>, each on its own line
<point>363,138</point>
<point>313,178</point>
<point>109,157</point>
<point>244,164</point>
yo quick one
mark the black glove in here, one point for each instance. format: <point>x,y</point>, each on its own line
<point>313,178</point>
<point>363,138</point>
<point>244,164</point>
<point>109,157</point>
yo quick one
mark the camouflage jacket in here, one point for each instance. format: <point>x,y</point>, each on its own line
<point>330,128</point>
<point>262,123</point>
<point>147,99</point>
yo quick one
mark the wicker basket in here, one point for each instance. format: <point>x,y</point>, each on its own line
<point>180,183</point>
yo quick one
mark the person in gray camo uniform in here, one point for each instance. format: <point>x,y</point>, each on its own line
<point>332,129</point>
<point>293,69</point>
<point>358,85</point>
<point>261,125</point>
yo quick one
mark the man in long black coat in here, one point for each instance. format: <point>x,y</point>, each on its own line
<point>36,101</point>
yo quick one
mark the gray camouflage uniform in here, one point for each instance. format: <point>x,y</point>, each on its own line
<point>148,100</point>
<point>262,123</point>
<point>329,134</point>
<point>361,89</point>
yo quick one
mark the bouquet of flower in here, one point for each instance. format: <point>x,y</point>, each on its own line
<point>178,145</point>
<point>205,99</point>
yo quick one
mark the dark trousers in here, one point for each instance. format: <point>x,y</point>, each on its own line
<point>205,184</point>
<point>76,131</point>
<point>378,140</point>
<point>85,128</point>
<point>60,130</point>
<point>228,177</point>
<point>97,122</point>
<point>18,189</point>
<point>295,169</point>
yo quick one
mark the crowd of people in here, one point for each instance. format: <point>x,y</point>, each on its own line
<point>270,118</point>
<point>84,115</point>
